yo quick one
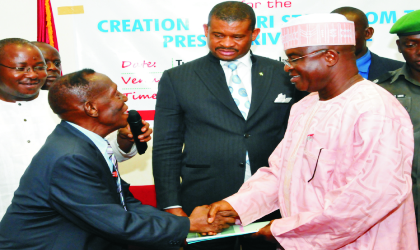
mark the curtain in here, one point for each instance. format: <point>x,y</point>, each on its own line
<point>46,27</point>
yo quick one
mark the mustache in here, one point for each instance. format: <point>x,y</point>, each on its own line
<point>227,49</point>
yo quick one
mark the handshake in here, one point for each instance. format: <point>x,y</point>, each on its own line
<point>212,219</point>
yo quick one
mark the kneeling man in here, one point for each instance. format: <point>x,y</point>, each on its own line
<point>71,195</point>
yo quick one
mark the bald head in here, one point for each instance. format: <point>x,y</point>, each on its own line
<point>69,91</point>
<point>362,29</point>
<point>90,100</point>
<point>354,14</point>
<point>14,41</point>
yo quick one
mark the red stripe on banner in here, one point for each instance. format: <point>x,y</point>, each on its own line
<point>146,194</point>
<point>147,115</point>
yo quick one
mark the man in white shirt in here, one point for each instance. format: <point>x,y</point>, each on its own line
<point>26,119</point>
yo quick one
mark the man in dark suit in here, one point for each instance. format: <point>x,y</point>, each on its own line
<point>370,65</point>
<point>197,108</point>
<point>69,196</point>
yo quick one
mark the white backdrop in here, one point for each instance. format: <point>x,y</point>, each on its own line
<point>134,41</point>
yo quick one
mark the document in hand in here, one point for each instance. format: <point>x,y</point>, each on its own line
<point>234,230</point>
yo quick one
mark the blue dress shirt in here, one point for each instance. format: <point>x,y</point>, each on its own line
<point>363,64</point>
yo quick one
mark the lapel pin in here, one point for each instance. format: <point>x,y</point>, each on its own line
<point>261,74</point>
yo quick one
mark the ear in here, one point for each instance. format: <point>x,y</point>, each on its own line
<point>206,30</point>
<point>255,33</point>
<point>331,57</point>
<point>369,33</point>
<point>90,109</point>
<point>398,45</point>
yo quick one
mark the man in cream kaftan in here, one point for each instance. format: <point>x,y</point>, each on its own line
<point>358,147</point>
<point>341,176</point>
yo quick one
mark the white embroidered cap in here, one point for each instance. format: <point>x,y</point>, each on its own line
<point>318,29</point>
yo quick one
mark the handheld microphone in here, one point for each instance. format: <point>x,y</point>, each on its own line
<point>134,119</point>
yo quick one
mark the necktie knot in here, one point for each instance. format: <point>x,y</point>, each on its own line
<point>232,66</point>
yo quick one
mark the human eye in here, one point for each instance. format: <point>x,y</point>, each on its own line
<point>410,44</point>
<point>57,63</point>
<point>20,68</point>
<point>40,68</point>
<point>218,35</point>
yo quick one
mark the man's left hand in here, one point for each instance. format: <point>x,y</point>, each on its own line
<point>125,137</point>
<point>265,233</point>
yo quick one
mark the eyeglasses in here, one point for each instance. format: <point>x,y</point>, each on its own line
<point>27,69</point>
<point>289,62</point>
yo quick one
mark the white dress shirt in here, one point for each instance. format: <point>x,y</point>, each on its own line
<point>24,128</point>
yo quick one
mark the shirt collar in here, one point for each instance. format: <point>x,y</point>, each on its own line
<point>99,142</point>
<point>246,60</point>
<point>404,72</point>
<point>363,62</point>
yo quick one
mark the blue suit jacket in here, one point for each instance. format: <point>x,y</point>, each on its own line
<point>67,199</point>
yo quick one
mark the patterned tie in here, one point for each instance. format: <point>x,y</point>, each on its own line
<point>240,96</point>
<point>238,91</point>
<point>116,174</point>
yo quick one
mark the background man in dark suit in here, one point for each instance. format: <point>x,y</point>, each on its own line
<point>370,65</point>
<point>197,108</point>
<point>68,198</point>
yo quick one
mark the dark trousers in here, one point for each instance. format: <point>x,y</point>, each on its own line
<point>233,243</point>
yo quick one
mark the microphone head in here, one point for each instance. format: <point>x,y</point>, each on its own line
<point>133,116</point>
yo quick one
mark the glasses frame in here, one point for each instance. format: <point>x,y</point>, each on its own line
<point>26,69</point>
<point>289,62</point>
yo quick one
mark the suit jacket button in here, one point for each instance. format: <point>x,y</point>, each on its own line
<point>247,135</point>
<point>241,164</point>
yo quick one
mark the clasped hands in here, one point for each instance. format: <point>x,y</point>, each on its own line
<point>210,220</point>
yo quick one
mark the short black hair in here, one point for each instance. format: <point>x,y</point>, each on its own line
<point>232,11</point>
<point>8,41</point>
<point>351,10</point>
<point>74,84</point>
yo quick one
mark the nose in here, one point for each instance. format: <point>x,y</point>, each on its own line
<point>227,42</point>
<point>31,73</point>
<point>287,68</point>
<point>125,98</point>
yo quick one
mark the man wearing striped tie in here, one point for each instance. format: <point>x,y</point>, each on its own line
<point>71,195</point>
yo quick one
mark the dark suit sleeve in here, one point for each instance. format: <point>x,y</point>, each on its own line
<point>381,65</point>
<point>79,193</point>
<point>167,144</point>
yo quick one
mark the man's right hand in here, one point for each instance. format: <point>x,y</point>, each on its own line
<point>219,206</point>
<point>199,224</point>
<point>176,211</point>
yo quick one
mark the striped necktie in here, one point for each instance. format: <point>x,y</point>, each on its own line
<point>116,174</point>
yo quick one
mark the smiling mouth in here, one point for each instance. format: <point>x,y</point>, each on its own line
<point>29,83</point>
<point>293,78</point>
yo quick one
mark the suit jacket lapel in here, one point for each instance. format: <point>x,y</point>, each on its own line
<point>261,81</point>
<point>212,75</point>
<point>109,179</point>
